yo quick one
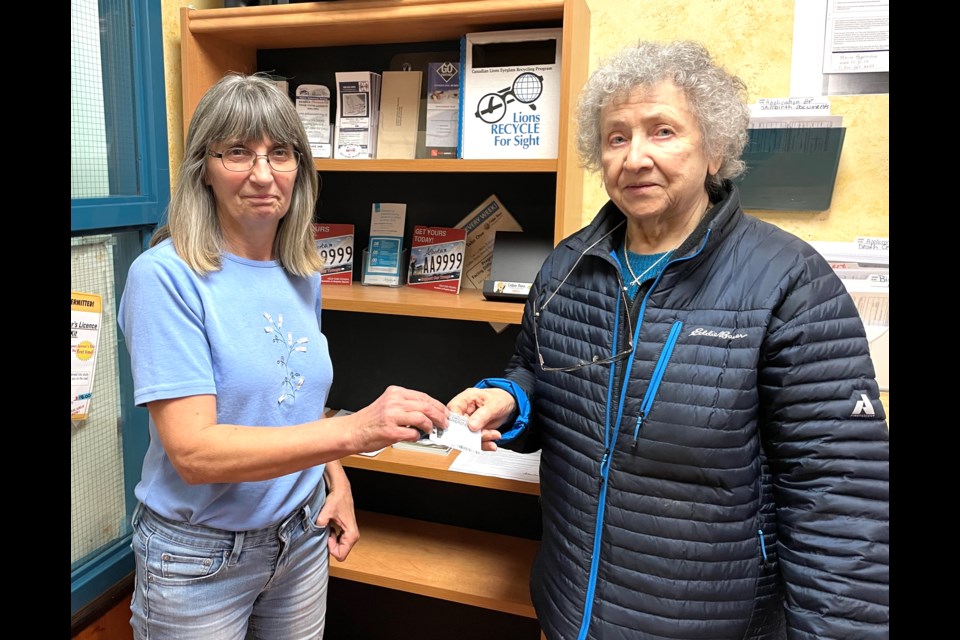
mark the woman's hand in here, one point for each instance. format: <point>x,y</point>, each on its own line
<point>486,410</point>
<point>398,415</point>
<point>338,513</point>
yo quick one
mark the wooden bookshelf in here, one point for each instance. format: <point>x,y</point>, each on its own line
<point>452,563</point>
<point>416,555</point>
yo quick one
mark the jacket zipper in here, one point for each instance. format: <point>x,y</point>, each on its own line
<point>617,386</point>
<point>655,379</point>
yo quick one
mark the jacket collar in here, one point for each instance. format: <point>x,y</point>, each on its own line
<point>721,218</point>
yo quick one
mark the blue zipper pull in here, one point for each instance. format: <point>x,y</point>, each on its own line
<point>763,546</point>
<point>603,464</point>
<point>636,430</point>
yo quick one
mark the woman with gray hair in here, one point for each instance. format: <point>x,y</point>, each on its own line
<point>242,495</point>
<point>714,453</point>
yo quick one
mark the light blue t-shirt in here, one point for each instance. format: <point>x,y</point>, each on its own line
<point>248,333</point>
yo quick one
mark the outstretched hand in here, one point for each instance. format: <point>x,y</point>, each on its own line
<point>398,415</point>
<point>486,411</point>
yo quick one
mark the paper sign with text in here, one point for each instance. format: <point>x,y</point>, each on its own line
<point>481,226</point>
<point>86,311</point>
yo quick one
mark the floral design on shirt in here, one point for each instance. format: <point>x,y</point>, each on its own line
<point>292,380</point>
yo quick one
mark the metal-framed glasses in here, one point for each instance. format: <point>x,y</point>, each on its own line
<point>243,159</point>
<point>597,359</point>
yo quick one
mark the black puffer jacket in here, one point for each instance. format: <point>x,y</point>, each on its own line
<point>663,518</point>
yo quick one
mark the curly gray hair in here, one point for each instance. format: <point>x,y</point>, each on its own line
<point>716,97</point>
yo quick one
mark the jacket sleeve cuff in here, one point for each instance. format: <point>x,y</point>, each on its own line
<point>523,404</point>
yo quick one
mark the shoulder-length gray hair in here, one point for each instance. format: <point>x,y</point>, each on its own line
<point>716,97</point>
<point>241,108</point>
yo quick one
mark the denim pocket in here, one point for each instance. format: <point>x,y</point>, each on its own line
<point>184,567</point>
<point>178,562</point>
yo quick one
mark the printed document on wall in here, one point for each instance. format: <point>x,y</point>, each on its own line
<point>86,310</point>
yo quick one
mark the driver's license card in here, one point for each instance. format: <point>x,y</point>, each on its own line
<point>457,435</point>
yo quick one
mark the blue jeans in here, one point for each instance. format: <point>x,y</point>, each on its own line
<point>197,583</point>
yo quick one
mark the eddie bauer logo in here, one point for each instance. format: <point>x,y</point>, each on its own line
<point>863,408</point>
<point>700,331</point>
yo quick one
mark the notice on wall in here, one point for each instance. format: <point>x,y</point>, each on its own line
<point>86,311</point>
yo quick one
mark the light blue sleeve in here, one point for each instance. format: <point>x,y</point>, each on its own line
<point>161,317</point>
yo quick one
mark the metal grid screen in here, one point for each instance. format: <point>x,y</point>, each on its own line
<point>89,174</point>
<point>98,512</point>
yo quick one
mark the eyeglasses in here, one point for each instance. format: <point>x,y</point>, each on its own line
<point>241,159</point>
<point>539,310</point>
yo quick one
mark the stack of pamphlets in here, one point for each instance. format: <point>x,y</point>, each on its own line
<point>358,114</point>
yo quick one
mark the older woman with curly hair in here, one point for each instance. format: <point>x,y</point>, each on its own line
<point>714,454</point>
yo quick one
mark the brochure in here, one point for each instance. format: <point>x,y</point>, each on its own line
<point>358,104</point>
<point>313,107</point>
<point>382,259</point>
<point>443,109</point>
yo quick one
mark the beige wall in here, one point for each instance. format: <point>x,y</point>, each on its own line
<point>752,39</point>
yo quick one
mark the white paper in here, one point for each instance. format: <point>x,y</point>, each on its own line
<point>500,464</point>
<point>313,107</point>
<point>857,38</point>
<point>793,113</point>
<point>826,34</point>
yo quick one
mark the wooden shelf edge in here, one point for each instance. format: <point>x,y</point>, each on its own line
<point>441,561</point>
<point>431,466</point>
<point>469,304</point>
<point>298,25</point>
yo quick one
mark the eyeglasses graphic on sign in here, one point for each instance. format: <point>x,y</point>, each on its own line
<point>526,88</point>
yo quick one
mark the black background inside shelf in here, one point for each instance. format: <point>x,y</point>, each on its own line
<point>458,505</point>
<point>357,611</point>
<point>439,357</point>
<point>319,65</point>
<point>433,199</point>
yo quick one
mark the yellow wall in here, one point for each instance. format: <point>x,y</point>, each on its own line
<point>170,10</point>
<point>752,39</point>
<point>755,41</point>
